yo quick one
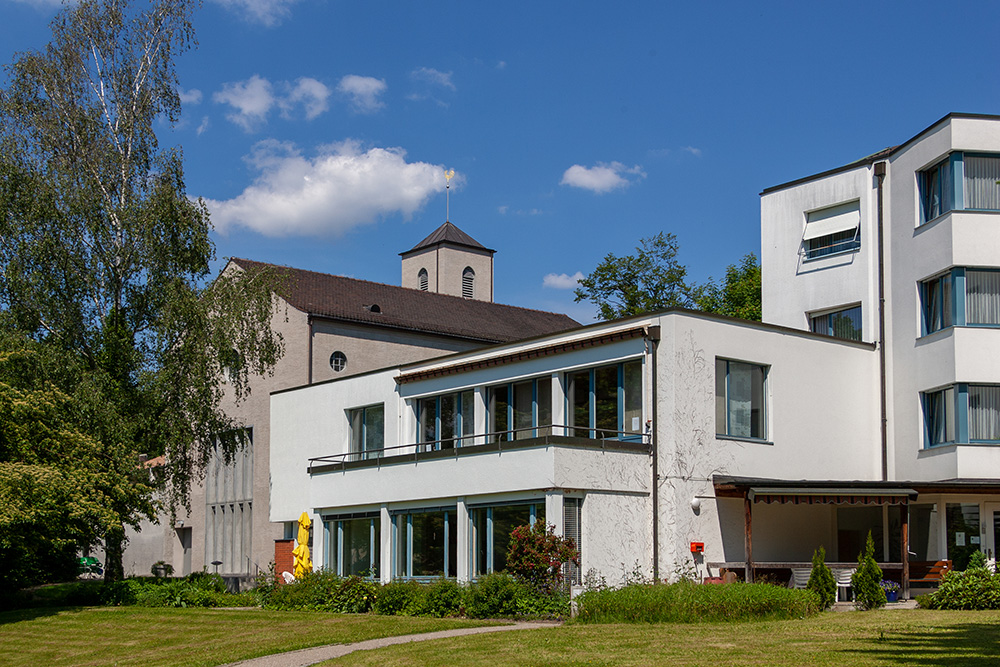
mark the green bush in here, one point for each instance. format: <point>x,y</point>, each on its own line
<point>867,580</point>
<point>400,598</point>
<point>688,602</point>
<point>821,580</point>
<point>356,595</point>
<point>501,595</point>
<point>444,598</point>
<point>207,581</point>
<point>975,588</point>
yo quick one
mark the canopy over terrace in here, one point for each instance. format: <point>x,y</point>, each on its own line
<point>808,493</point>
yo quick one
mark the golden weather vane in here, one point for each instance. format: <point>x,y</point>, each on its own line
<point>448,175</point>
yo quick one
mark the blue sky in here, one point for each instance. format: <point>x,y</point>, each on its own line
<point>319,132</point>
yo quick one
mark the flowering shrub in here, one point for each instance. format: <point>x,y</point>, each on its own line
<point>536,555</point>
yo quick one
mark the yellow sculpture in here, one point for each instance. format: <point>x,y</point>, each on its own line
<point>303,563</point>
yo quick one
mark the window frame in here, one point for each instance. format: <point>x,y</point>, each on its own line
<point>402,542</point>
<point>946,179</point>
<point>947,294</point>
<point>816,317</point>
<point>536,512</point>
<point>592,430</point>
<point>358,445</point>
<point>511,433</point>
<point>961,416</point>
<point>465,421</point>
<point>764,408</point>
<point>333,536</point>
<point>829,246</point>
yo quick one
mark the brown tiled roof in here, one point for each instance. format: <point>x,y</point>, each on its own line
<point>448,233</point>
<point>351,300</point>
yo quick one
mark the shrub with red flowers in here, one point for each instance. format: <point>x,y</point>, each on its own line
<point>536,555</point>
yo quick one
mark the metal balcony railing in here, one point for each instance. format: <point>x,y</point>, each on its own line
<point>496,440</point>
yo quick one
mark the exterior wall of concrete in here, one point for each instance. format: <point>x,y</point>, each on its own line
<point>445,265</point>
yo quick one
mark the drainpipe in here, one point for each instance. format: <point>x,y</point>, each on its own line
<point>653,336</point>
<point>309,349</point>
<point>880,175</point>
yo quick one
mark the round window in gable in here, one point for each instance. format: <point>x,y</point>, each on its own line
<point>338,361</point>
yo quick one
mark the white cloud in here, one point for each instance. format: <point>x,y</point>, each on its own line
<point>502,210</point>
<point>692,150</point>
<point>191,97</point>
<point>202,127</point>
<point>502,64</point>
<point>342,187</point>
<point>251,100</point>
<point>562,280</point>
<point>363,92</point>
<point>268,13</point>
<point>433,77</point>
<point>604,177</point>
<point>308,92</point>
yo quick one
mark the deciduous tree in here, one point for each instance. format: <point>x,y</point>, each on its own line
<point>103,254</point>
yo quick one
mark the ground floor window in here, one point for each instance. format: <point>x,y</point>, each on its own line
<point>425,543</point>
<point>491,528</point>
<point>962,524</point>
<point>353,545</point>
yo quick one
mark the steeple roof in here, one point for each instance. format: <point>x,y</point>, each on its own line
<point>450,234</point>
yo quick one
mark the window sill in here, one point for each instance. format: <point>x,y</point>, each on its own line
<point>737,438</point>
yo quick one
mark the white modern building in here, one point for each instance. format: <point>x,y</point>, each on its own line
<point>868,400</point>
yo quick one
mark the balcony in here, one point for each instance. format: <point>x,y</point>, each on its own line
<point>520,460</point>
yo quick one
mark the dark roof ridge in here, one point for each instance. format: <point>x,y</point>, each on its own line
<point>884,153</point>
<point>448,232</point>
<point>399,287</point>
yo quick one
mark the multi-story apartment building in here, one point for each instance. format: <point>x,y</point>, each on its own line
<point>868,401</point>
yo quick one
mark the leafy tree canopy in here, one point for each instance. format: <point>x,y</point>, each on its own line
<point>104,256</point>
<point>653,279</point>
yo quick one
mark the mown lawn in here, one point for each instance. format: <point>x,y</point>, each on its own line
<point>186,637</point>
<point>897,637</point>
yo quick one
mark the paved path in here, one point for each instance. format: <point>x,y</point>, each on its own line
<point>317,654</point>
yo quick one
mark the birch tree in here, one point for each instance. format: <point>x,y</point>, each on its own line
<point>103,254</point>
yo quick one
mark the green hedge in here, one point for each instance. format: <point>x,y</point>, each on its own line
<point>198,589</point>
<point>687,602</point>
<point>975,588</point>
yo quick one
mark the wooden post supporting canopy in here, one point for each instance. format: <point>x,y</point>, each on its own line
<point>748,510</point>
<point>904,529</point>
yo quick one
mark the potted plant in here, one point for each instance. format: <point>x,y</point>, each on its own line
<point>891,589</point>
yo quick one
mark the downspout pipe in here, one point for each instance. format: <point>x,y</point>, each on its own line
<point>880,168</point>
<point>653,336</point>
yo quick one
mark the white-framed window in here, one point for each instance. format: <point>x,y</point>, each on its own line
<point>468,283</point>
<point>740,399</point>
<point>843,323</point>
<point>353,544</point>
<point>606,402</point>
<point>338,361</point>
<point>832,230</point>
<point>367,430</point>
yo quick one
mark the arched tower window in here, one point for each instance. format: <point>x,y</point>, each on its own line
<point>422,279</point>
<point>468,283</point>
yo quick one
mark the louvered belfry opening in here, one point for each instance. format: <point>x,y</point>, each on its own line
<point>468,283</point>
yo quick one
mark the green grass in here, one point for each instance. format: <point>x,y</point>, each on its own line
<point>896,637</point>
<point>151,637</point>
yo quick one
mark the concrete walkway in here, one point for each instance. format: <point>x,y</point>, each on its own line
<point>317,654</point>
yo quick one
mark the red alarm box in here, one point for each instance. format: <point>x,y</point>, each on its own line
<point>697,547</point>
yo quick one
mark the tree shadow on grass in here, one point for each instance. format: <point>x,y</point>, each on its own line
<point>32,613</point>
<point>973,644</point>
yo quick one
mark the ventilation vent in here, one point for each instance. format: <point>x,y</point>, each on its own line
<point>468,283</point>
<point>374,308</point>
<point>571,530</point>
<point>422,279</point>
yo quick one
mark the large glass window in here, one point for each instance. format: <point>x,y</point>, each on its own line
<point>963,413</point>
<point>426,543</point>
<point>354,545</point>
<point>962,181</point>
<point>446,421</point>
<point>982,297</point>
<point>938,295</point>
<point>961,297</point>
<point>491,528</point>
<point>833,244</point>
<point>844,323</point>
<point>606,402</point>
<point>521,410</point>
<point>739,399</point>
<point>367,431</point>
<point>962,520</point>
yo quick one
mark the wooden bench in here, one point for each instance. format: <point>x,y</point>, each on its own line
<point>928,572</point>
